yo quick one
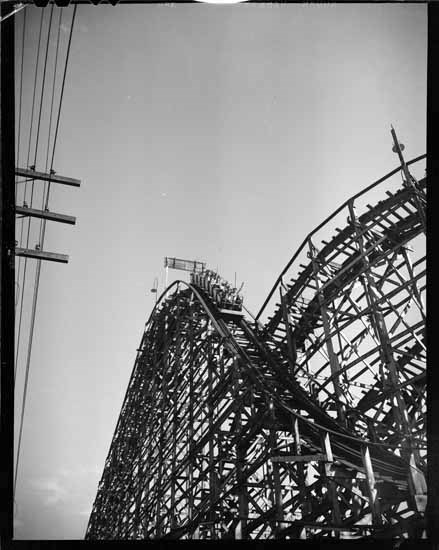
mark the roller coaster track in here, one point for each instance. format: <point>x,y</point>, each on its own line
<point>311,425</point>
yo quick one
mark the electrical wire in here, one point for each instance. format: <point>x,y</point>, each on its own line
<point>39,123</point>
<point>18,291</point>
<point>36,145</point>
<point>19,136</point>
<point>43,84</point>
<point>50,122</point>
<point>38,270</point>
<point>34,94</point>
<point>25,194</point>
<point>21,92</point>
<point>58,117</point>
<point>63,84</point>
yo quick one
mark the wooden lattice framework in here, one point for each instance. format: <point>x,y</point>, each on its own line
<point>311,425</point>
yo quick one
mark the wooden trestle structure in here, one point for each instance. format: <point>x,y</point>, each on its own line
<point>311,425</point>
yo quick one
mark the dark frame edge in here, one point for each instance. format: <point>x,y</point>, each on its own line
<point>7,238</point>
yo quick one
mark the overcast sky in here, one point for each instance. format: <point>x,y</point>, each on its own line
<point>218,133</point>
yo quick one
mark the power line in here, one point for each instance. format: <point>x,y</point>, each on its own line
<point>53,88</point>
<point>21,89</point>
<point>43,85</point>
<point>50,120</point>
<point>38,270</point>
<point>63,83</point>
<point>19,136</point>
<point>42,94</point>
<point>25,193</point>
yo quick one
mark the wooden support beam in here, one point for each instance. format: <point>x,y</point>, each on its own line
<point>45,215</point>
<point>318,457</point>
<point>301,468</point>
<point>53,178</point>
<point>390,379</point>
<point>292,353</point>
<point>418,486</point>
<point>42,255</point>
<point>327,446</point>
<point>332,355</point>
<point>240,450</point>
<point>371,486</point>
<point>329,475</point>
<point>276,484</point>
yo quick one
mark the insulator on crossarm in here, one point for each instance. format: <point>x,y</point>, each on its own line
<point>401,146</point>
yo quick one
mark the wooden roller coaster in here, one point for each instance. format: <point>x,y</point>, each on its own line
<point>309,425</point>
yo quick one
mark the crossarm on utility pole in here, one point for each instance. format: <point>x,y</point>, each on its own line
<point>42,255</point>
<point>53,178</point>
<point>45,215</point>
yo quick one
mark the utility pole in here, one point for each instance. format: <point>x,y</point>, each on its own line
<point>10,247</point>
<point>7,240</point>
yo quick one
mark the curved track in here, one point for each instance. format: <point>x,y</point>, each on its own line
<point>310,426</point>
<point>353,320</point>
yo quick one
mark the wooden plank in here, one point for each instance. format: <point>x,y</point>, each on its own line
<point>318,457</point>
<point>371,486</point>
<point>53,178</point>
<point>42,255</point>
<point>45,215</point>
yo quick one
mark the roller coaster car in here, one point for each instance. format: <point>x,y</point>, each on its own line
<point>229,307</point>
<point>231,313</point>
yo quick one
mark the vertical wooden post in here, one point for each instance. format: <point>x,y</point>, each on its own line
<point>190,435</point>
<point>159,483</point>
<point>333,359</point>
<point>371,486</point>
<point>379,325</point>
<point>414,286</point>
<point>173,523</point>
<point>241,528</point>
<point>212,472</point>
<point>292,354</point>
<point>298,451</point>
<point>276,485</point>
<point>329,475</point>
<point>145,520</point>
<point>301,467</point>
<point>418,486</point>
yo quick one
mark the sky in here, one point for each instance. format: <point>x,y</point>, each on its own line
<point>218,133</point>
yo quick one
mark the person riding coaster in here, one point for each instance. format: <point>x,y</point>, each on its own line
<point>221,291</point>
